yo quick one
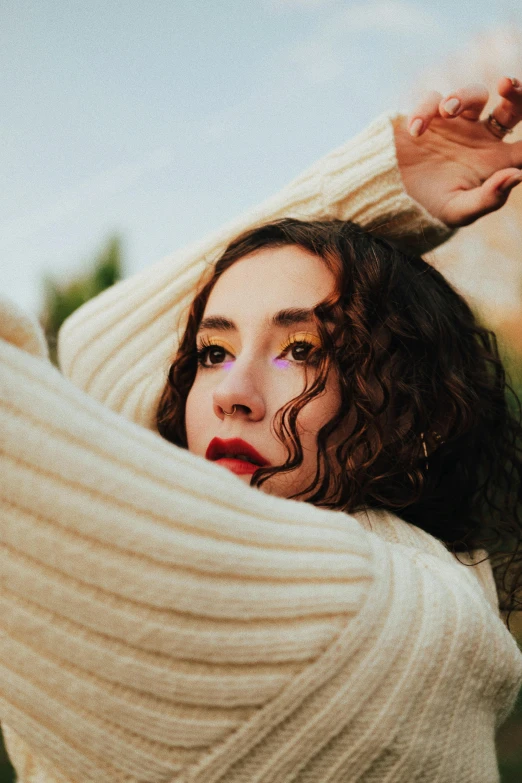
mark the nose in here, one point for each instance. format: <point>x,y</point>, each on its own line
<point>239,387</point>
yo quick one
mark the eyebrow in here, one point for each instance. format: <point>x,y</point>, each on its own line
<point>288,317</point>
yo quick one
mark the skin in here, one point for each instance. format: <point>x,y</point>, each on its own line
<point>254,371</point>
<point>452,163</point>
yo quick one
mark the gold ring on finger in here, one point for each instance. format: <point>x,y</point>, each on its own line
<point>496,128</point>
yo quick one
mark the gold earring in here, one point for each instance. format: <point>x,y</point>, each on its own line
<point>425,449</point>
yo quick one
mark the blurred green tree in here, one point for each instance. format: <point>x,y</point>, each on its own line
<point>7,774</point>
<point>63,298</point>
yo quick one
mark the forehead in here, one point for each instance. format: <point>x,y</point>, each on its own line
<point>269,280</point>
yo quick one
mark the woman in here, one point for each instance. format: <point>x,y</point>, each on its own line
<point>382,389</point>
<point>164,621</point>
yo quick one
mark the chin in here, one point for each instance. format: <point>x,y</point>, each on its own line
<point>277,489</point>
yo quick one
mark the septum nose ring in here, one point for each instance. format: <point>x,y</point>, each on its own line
<point>229,414</point>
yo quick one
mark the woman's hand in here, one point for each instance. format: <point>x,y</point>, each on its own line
<point>455,164</point>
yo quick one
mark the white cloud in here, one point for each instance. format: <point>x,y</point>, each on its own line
<point>317,61</point>
<point>323,56</point>
<point>484,59</point>
<point>107,183</point>
<point>284,5</point>
<point>394,16</point>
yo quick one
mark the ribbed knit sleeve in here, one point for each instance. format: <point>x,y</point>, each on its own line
<point>118,347</point>
<point>161,621</point>
<point>150,602</point>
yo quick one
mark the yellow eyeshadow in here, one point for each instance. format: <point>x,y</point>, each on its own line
<point>207,341</point>
<point>302,337</point>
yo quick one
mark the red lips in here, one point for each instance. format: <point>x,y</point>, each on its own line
<point>235,454</point>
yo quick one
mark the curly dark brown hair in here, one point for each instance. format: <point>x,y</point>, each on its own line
<point>432,428</point>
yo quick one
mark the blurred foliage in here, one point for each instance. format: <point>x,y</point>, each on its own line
<point>62,299</point>
<point>509,738</point>
<point>7,774</point>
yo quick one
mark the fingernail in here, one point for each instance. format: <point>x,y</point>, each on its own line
<point>452,106</point>
<point>510,183</point>
<point>416,127</point>
<point>514,82</point>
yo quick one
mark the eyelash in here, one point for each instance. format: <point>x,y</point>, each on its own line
<point>206,344</point>
<point>203,350</point>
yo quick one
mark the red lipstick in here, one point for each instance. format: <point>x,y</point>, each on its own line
<point>235,454</point>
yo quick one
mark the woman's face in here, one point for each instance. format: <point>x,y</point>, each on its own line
<point>253,340</point>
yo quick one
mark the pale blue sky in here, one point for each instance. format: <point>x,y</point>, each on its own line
<point>161,120</point>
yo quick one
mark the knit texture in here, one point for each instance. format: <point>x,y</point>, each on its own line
<point>162,621</point>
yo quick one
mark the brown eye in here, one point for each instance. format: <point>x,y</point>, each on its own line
<point>216,354</point>
<point>301,348</point>
<point>211,355</point>
<point>300,351</point>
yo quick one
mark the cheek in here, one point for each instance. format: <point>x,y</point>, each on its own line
<point>317,413</point>
<point>198,412</point>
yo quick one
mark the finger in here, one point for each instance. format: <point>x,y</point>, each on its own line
<point>515,154</point>
<point>420,118</point>
<point>467,102</point>
<point>509,109</point>
<point>468,205</point>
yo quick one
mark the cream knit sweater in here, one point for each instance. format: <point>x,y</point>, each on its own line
<point>161,621</point>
